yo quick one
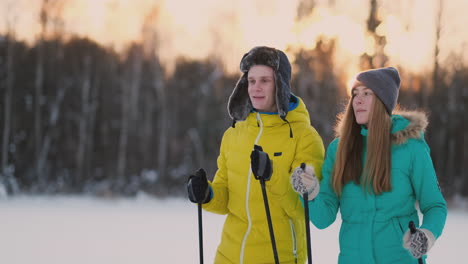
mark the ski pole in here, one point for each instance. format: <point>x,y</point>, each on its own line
<point>413,230</point>
<point>305,196</point>
<point>262,160</point>
<point>270,224</point>
<point>200,231</point>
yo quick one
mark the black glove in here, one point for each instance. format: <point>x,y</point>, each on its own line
<point>197,187</point>
<point>260,163</point>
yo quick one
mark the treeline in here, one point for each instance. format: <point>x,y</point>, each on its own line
<point>78,117</point>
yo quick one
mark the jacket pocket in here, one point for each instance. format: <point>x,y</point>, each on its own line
<point>398,228</point>
<point>401,223</point>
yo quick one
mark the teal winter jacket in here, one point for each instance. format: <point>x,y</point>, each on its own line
<point>373,225</point>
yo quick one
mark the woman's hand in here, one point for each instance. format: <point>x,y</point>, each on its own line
<point>303,180</point>
<point>419,243</point>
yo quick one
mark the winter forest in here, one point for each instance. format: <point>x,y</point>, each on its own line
<point>81,115</point>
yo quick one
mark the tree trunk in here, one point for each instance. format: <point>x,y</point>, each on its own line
<point>38,86</point>
<point>50,134</point>
<point>135,84</point>
<point>89,157</point>
<point>378,58</point>
<point>123,139</point>
<point>83,120</point>
<point>439,102</point>
<point>163,127</point>
<point>147,131</point>
<point>7,178</point>
<point>38,103</point>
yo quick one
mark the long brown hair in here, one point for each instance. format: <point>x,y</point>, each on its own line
<point>348,164</point>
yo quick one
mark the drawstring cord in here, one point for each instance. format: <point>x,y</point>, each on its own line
<point>290,129</point>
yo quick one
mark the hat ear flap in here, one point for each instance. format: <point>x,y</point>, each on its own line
<point>244,65</point>
<point>282,96</point>
<point>239,105</point>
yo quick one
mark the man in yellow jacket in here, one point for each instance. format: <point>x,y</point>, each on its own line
<point>267,114</point>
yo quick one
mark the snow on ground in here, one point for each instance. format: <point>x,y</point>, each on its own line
<point>79,230</point>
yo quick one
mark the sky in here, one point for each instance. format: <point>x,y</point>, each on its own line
<point>144,230</point>
<point>229,28</point>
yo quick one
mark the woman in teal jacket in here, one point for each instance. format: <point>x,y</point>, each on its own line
<point>374,173</point>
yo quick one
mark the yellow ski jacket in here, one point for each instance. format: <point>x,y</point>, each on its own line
<point>236,192</point>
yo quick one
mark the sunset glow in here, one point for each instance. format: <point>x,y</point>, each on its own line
<point>227,29</point>
<point>322,23</point>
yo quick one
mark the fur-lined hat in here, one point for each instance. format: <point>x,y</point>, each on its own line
<point>239,105</point>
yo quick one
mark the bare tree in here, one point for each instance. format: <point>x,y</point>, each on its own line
<point>163,110</point>
<point>317,85</point>
<point>439,95</point>
<point>463,131</point>
<point>438,29</point>
<point>7,178</point>
<point>197,135</point>
<point>378,58</point>
<point>150,43</point>
<point>135,86</point>
<point>44,133</point>
<point>124,131</point>
<point>84,119</point>
<point>38,84</point>
<point>50,134</point>
<point>89,157</point>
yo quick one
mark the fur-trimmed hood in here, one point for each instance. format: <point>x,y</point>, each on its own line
<point>239,105</point>
<point>405,125</point>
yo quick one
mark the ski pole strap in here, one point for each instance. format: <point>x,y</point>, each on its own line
<point>270,224</point>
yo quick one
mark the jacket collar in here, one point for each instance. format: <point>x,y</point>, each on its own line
<point>405,125</point>
<point>297,113</point>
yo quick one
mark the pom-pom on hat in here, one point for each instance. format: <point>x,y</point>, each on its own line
<point>384,82</point>
<point>239,105</point>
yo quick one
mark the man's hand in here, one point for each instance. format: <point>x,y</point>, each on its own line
<point>197,187</point>
<point>260,163</point>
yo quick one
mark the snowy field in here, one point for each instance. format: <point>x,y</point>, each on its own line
<point>83,230</point>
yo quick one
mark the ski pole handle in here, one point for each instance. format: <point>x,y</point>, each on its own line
<point>303,166</point>
<point>412,228</point>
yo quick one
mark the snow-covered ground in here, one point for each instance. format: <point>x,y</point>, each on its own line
<point>58,230</point>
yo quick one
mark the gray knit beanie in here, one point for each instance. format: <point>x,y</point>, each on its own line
<point>384,82</point>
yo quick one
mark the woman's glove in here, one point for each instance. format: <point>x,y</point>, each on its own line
<point>304,181</point>
<point>198,188</point>
<point>419,243</point>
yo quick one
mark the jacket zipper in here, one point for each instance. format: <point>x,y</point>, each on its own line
<point>247,194</point>
<point>294,241</point>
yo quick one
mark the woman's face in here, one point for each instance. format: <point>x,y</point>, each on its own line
<point>363,98</point>
<point>262,88</point>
